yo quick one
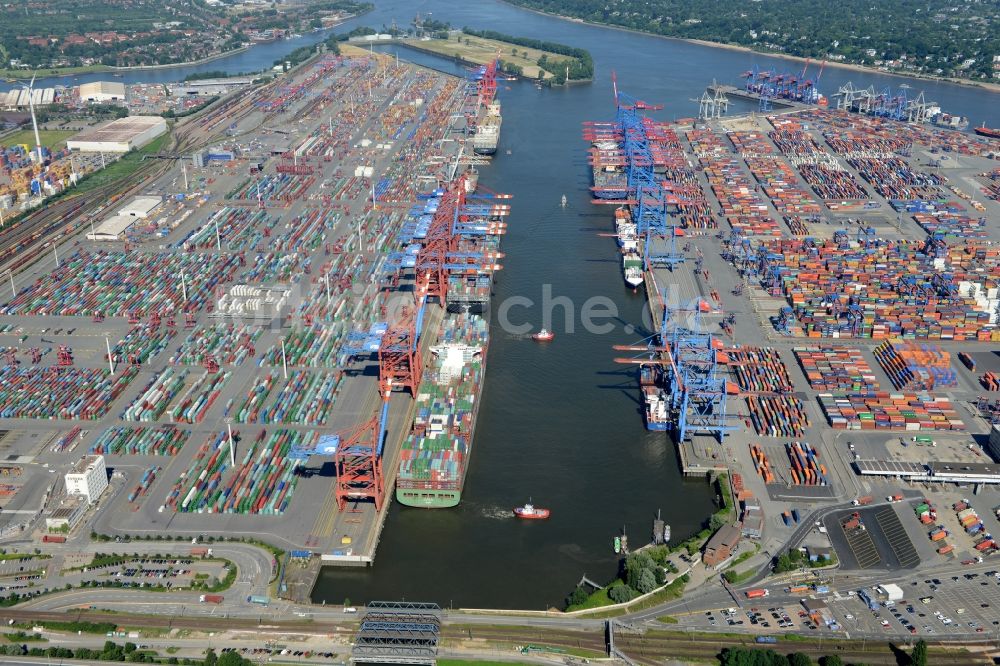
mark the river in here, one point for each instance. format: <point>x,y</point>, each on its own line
<point>559,422</point>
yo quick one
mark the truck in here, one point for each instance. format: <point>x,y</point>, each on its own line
<point>53,538</point>
<point>758,593</point>
<point>975,560</point>
<point>259,599</point>
<point>861,501</point>
<point>211,598</point>
<point>201,551</point>
<point>894,498</point>
<point>944,550</point>
<point>797,589</point>
<point>937,535</point>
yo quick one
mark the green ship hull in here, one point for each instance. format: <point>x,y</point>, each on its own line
<point>429,498</point>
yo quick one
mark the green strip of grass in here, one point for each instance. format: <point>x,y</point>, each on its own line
<point>122,168</point>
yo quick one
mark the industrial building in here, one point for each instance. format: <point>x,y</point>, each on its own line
<point>119,136</point>
<point>20,98</point>
<point>67,514</point>
<point>722,545</point>
<point>209,87</point>
<point>101,92</point>
<point>89,478</point>
<point>942,472</point>
<point>114,227</point>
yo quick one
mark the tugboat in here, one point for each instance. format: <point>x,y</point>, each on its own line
<point>543,335</point>
<point>529,512</point>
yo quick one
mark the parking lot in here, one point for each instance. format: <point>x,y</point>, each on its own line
<point>880,542</point>
<point>956,604</point>
<point>762,618</point>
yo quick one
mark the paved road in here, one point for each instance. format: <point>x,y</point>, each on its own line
<point>253,566</point>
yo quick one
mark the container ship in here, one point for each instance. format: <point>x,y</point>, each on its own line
<point>654,399</point>
<point>950,121</point>
<point>435,455</point>
<point>487,136</point>
<point>628,243</point>
<point>610,178</point>
<point>988,132</point>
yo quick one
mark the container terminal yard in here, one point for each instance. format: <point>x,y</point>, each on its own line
<point>276,334</point>
<point>242,335</point>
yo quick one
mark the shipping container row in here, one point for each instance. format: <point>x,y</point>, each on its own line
<point>777,416</point>
<point>836,369</point>
<point>60,392</point>
<point>738,199</point>
<point>228,343</point>
<point>758,369</point>
<point>773,174</point>
<point>142,343</point>
<point>889,411</point>
<point>118,284</point>
<point>916,367</point>
<point>165,440</point>
<point>883,289</point>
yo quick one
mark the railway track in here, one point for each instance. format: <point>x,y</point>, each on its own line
<point>647,649</point>
<point>25,242</point>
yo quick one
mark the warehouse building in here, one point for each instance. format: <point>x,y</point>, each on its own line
<point>101,92</point>
<point>937,471</point>
<point>89,478</point>
<point>119,136</point>
<point>114,227</point>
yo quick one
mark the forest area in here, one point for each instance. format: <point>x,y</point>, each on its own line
<point>934,37</point>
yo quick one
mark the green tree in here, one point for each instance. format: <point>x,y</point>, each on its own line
<point>576,597</point>
<point>919,655</point>
<point>621,593</point>
<point>647,581</point>
<point>799,659</point>
<point>831,660</point>
<point>210,658</point>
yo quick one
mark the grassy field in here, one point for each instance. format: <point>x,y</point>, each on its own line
<point>52,139</point>
<point>51,71</point>
<point>481,51</point>
<point>122,167</point>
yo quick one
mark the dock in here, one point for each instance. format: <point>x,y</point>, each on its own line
<point>260,256</point>
<point>776,103</point>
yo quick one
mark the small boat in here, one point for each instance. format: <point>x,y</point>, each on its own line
<point>530,512</point>
<point>618,544</point>
<point>543,335</point>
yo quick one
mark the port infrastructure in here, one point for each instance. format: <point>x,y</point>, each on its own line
<point>696,386</point>
<point>769,84</point>
<point>448,245</point>
<point>652,203</point>
<point>885,103</point>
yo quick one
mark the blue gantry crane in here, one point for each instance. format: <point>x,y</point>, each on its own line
<point>691,377</point>
<point>651,202</point>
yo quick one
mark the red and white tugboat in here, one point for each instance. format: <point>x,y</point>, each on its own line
<point>544,335</point>
<point>530,512</point>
